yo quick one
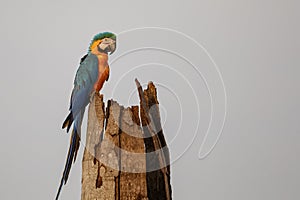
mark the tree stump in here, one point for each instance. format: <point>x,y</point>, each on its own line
<point>126,155</point>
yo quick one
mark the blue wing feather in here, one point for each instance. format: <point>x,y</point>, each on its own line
<point>86,77</point>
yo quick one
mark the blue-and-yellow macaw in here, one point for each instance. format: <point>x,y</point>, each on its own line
<point>90,77</point>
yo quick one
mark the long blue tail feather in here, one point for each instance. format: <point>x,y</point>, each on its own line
<point>73,149</point>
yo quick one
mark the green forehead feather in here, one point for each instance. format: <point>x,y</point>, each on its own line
<point>101,36</point>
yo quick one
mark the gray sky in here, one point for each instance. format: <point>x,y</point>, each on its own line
<point>255,46</point>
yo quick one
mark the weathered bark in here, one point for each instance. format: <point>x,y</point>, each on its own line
<point>98,180</point>
<point>157,153</point>
<point>126,155</point>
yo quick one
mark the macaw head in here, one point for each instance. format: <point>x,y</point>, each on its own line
<point>104,42</point>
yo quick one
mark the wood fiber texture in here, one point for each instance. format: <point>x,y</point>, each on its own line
<point>126,155</point>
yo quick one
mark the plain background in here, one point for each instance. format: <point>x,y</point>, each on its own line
<point>255,44</point>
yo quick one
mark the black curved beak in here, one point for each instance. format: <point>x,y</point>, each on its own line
<point>112,47</point>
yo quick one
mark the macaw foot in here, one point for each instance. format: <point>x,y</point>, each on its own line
<point>92,96</point>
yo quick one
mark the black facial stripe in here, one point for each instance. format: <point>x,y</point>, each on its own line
<point>102,51</point>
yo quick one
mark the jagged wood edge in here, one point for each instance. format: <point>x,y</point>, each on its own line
<point>157,141</point>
